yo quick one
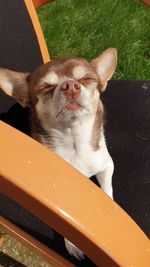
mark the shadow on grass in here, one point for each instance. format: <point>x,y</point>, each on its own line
<point>7,261</point>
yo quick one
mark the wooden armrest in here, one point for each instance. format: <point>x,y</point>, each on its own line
<point>39,3</point>
<point>147,2</point>
<point>37,26</point>
<point>63,198</point>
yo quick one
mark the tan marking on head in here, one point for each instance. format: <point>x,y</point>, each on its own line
<point>6,85</point>
<point>79,72</point>
<point>51,78</point>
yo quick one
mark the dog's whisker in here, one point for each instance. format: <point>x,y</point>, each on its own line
<point>61,111</point>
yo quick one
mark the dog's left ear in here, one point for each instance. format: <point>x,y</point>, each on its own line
<point>105,66</point>
<point>15,84</point>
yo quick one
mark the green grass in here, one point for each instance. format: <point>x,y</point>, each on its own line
<point>85,28</point>
<point>22,255</point>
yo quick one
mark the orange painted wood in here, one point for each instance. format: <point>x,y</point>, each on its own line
<point>59,195</point>
<point>146,2</point>
<point>25,239</point>
<point>39,3</point>
<point>1,241</point>
<point>38,30</point>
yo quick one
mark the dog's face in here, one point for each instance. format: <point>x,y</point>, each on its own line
<point>63,89</point>
<point>66,89</point>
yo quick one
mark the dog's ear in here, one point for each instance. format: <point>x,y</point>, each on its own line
<point>15,84</point>
<point>105,66</point>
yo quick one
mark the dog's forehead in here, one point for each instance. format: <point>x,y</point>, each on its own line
<point>71,67</point>
<point>67,65</point>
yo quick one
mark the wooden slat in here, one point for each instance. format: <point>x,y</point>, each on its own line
<point>39,3</point>
<point>147,2</point>
<point>38,30</point>
<point>67,201</point>
<point>1,240</point>
<point>46,253</point>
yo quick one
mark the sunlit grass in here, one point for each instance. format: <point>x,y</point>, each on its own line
<point>22,255</point>
<point>85,28</point>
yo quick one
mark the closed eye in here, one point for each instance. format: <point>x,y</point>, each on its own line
<point>46,89</point>
<point>88,78</point>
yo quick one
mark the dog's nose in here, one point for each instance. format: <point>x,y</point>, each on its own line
<point>71,88</point>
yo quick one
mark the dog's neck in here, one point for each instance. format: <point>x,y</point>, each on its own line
<point>79,133</point>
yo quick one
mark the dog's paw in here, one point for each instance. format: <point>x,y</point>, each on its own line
<point>73,250</point>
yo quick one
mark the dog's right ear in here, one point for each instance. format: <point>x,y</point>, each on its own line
<point>15,84</point>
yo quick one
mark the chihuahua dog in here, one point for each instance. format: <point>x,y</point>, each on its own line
<point>67,114</point>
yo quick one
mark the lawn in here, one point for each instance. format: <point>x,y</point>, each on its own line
<point>86,27</point>
<point>14,254</point>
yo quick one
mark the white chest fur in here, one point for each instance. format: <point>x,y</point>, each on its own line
<point>73,144</point>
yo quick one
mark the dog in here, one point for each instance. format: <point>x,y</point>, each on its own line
<point>67,115</point>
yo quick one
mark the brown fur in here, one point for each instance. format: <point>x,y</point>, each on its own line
<point>96,134</point>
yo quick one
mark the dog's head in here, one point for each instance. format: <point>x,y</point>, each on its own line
<point>62,89</point>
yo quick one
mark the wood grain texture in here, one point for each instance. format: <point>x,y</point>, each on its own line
<point>58,194</point>
<point>38,30</point>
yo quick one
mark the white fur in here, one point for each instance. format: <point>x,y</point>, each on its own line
<point>51,78</point>
<point>6,85</point>
<point>72,144</point>
<point>77,151</point>
<point>73,250</point>
<point>71,134</point>
<point>79,72</point>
